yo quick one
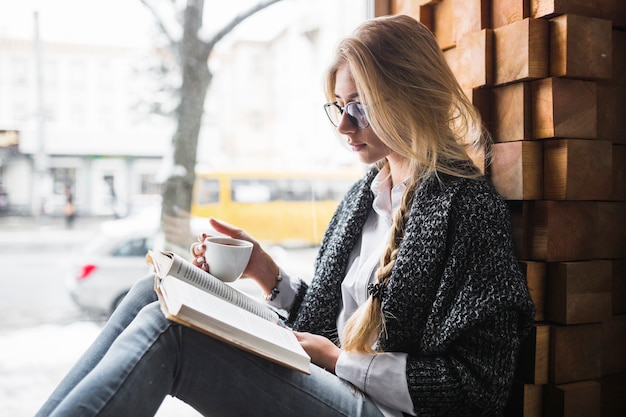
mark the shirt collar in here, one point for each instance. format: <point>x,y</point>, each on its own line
<point>386,199</point>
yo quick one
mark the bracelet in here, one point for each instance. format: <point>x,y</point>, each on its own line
<point>272,295</point>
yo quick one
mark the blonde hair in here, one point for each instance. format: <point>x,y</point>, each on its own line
<point>416,107</point>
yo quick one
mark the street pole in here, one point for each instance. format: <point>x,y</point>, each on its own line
<point>40,157</point>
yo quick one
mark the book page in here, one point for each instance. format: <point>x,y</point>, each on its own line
<point>167,263</point>
<point>234,325</point>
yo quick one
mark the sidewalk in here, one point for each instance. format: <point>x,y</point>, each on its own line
<point>18,230</point>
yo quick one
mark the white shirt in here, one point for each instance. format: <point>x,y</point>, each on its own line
<point>381,376</point>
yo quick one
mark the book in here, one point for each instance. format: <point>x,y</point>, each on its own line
<point>196,299</point>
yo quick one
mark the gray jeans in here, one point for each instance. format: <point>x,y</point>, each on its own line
<point>140,357</point>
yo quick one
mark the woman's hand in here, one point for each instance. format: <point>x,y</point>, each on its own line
<point>261,266</point>
<point>322,351</point>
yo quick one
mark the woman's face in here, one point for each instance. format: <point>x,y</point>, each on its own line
<point>362,141</point>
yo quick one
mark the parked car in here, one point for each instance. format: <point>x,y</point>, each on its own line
<point>102,272</point>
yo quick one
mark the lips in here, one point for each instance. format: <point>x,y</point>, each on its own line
<point>356,147</point>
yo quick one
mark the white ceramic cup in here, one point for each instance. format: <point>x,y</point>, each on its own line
<point>227,257</point>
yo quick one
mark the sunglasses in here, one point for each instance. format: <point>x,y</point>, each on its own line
<point>354,110</point>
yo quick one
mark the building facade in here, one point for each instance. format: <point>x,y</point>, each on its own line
<point>74,123</point>
<point>70,110</point>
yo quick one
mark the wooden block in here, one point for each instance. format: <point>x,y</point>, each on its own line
<point>575,353</point>
<point>521,51</point>
<point>427,16</point>
<point>564,108</point>
<point>482,99</point>
<point>526,400</point>
<point>512,112</point>
<point>469,16</point>
<point>505,12</point>
<point>618,15</point>
<point>619,58</point>
<point>610,230</point>
<point>604,9</point>
<point>576,169</point>
<point>471,60</point>
<point>408,7</point>
<point>579,399</point>
<point>454,58</point>
<point>520,225</point>
<point>614,346</point>
<point>619,173</point>
<point>619,287</point>
<point>579,292</point>
<point>394,7</point>
<point>550,8</point>
<point>557,231</point>
<point>516,170</point>
<point>477,156</point>
<point>618,176</point>
<point>533,366</point>
<point>580,47</point>
<point>535,273</point>
<point>385,7</point>
<point>611,121</point>
<point>613,398</point>
<point>443,21</point>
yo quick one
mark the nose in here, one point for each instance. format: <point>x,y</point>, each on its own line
<point>346,125</point>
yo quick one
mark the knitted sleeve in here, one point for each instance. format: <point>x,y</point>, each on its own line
<point>471,378</point>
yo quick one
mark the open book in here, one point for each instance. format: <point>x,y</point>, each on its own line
<point>195,298</point>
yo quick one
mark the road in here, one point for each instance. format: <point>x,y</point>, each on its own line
<point>33,290</point>
<point>42,333</point>
<point>32,272</point>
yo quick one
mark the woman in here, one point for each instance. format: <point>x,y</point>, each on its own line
<point>417,305</point>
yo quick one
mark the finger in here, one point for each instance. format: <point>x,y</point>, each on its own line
<point>200,262</point>
<point>228,229</point>
<point>202,237</point>
<point>192,249</point>
<point>197,249</point>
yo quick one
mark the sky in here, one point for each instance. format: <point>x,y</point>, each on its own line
<point>112,22</point>
<point>82,21</point>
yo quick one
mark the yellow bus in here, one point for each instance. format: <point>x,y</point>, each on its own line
<point>286,208</point>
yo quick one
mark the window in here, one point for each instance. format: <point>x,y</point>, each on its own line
<point>77,75</point>
<point>134,247</point>
<point>148,184</point>
<point>50,75</point>
<point>286,189</point>
<point>252,190</point>
<point>209,191</point>
<point>20,72</point>
<point>331,189</point>
<point>63,178</point>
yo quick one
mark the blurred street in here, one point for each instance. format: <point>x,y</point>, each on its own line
<point>32,253</point>
<point>42,332</point>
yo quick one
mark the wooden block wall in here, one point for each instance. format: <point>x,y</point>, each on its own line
<point>549,78</point>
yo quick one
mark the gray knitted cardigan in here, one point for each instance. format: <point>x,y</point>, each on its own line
<point>456,302</point>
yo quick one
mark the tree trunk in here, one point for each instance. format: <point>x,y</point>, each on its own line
<point>196,78</point>
<point>193,55</point>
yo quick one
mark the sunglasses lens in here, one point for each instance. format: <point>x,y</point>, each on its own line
<point>334,113</point>
<point>357,114</point>
<point>355,111</point>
